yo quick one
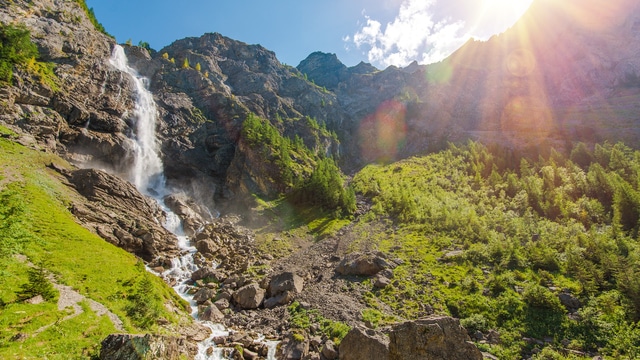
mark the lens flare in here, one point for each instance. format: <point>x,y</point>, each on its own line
<point>383,134</point>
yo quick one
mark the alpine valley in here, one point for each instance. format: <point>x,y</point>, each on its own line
<point>205,201</point>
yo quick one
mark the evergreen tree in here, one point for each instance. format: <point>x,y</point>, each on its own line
<point>185,63</point>
<point>38,285</point>
<point>198,67</point>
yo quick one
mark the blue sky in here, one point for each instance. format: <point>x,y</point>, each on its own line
<point>382,32</point>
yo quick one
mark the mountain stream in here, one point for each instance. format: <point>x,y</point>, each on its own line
<point>148,176</point>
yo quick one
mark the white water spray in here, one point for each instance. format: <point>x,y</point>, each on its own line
<point>147,175</point>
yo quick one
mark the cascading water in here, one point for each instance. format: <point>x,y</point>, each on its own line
<point>148,176</point>
<point>147,173</point>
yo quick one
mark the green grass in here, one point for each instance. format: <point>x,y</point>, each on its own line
<point>77,257</point>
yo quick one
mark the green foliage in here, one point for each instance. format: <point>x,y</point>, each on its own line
<point>302,319</point>
<point>16,48</point>
<point>13,227</point>
<point>198,67</point>
<point>185,63</point>
<point>145,305</point>
<point>526,230</point>
<point>165,56</point>
<point>38,284</point>
<point>145,45</point>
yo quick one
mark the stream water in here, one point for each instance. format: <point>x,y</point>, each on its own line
<point>148,176</point>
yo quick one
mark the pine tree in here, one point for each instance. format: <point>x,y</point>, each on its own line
<point>38,285</point>
<point>185,63</point>
<point>198,67</point>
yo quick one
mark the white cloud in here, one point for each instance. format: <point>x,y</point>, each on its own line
<point>413,35</point>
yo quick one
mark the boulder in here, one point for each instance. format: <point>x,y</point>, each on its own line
<point>145,347</point>
<point>329,350</point>
<point>363,264</point>
<point>362,344</point>
<point>283,288</point>
<point>249,296</point>
<point>187,209</point>
<point>569,301</point>
<point>284,282</point>
<point>437,338</point>
<point>203,294</point>
<point>211,313</point>
<point>292,349</point>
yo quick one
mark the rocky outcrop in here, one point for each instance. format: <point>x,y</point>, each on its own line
<point>437,338</point>
<point>145,347</point>
<point>362,344</point>
<point>193,215</point>
<point>120,214</point>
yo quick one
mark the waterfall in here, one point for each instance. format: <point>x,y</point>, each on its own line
<point>147,175</point>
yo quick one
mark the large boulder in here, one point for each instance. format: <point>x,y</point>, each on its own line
<point>362,344</point>
<point>283,288</point>
<point>193,215</point>
<point>363,264</point>
<point>145,347</point>
<point>435,338</point>
<point>249,296</point>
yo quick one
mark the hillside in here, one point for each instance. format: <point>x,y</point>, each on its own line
<point>339,211</point>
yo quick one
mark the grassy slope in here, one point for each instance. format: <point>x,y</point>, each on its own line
<point>75,256</point>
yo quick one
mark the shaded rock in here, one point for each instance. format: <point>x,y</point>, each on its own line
<point>366,264</point>
<point>439,337</point>
<point>207,247</point>
<point>362,344</point>
<point>281,299</point>
<point>569,301</point>
<point>249,296</point>
<point>222,304</point>
<point>145,347</point>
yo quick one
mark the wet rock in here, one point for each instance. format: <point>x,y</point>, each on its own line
<point>145,347</point>
<point>249,296</point>
<point>363,264</point>
<point>189,212</point>
<point>438,337</point>
<point>362,344</point>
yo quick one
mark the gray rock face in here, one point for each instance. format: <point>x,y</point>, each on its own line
<point>145,347</point>
<point>362,344</point>
<point>437,338</point>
